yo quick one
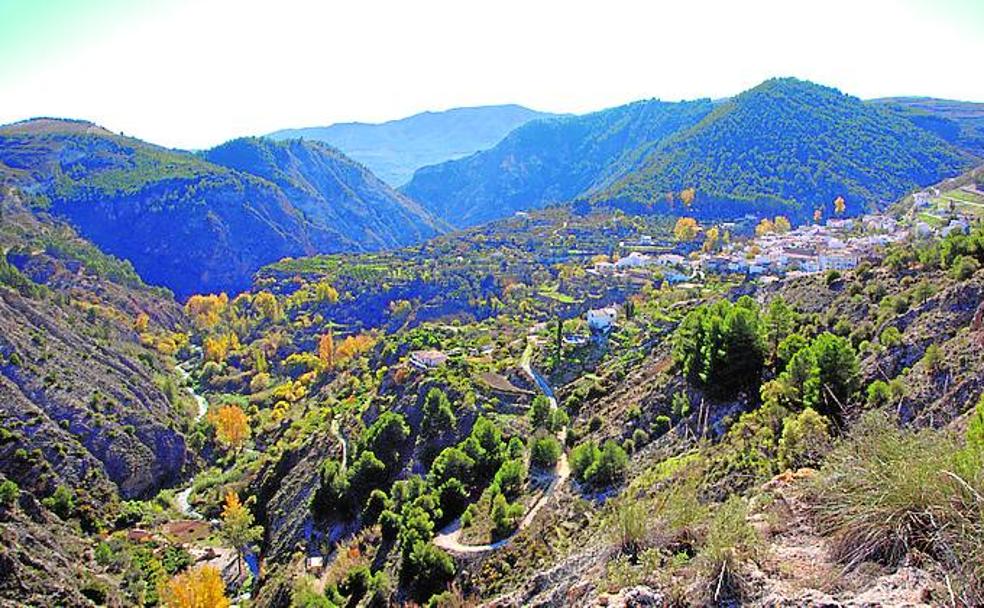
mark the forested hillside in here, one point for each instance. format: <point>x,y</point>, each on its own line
<point>786,146</point>
<point>548,161</point>
<point>193,225</point>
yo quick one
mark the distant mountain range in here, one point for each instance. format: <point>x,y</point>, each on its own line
<point>958,122</point>
<point>198,223</point>
<point>393,150</point>
<point>785,146</point>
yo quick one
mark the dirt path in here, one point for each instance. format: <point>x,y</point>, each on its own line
<point>448,538</point>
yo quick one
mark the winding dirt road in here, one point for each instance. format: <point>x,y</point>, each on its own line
<point>448,537</point>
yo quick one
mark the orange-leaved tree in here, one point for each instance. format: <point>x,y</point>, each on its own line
<point>687,196</point>
<point>200,587</point>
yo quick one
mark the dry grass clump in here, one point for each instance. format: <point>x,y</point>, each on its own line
<point>730,546</point>
<point>885,492</point>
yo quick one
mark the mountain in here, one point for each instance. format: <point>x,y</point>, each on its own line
<point>785,146</point>
<point>959,122</point>
<point>548,161</point>
<point>393,150</point>
<point>791,144</point>
<point>194,225</point>
<point>330,190</point>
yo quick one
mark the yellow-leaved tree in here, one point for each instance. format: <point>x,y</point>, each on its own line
<point>781,224</point>
<point>687,197</point>
<point>764,227</point>
<point>200,587</point>
<point>238,527</point>
<point>231,425</point>
<point>839,205</point>
<point>686,229</point>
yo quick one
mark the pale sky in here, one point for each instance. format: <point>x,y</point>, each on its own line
<point>193,73</point>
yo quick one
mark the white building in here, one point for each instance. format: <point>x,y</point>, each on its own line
<point>838,261</point>
<point>602,319</point>
<point>427,359</point>
<point>634,260</point>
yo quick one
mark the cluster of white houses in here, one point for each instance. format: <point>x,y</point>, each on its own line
<point>839,244</point>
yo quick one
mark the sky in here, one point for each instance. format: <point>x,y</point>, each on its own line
<point>194,73</point>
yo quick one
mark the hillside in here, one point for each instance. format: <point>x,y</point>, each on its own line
<point>794,144</point>
<point>334,193</point>
<point>785,146</point>
<point>548,161</point>
<point>958,122</point>
<point>393,150</point>
<point>193,225</point>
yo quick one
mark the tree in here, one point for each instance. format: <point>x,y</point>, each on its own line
<point>687,196</point>
<point>200,587</point>
<point>805,440</point>
<point>711,239</point>
<point>764,227</point>
<point>326,350</point>
<point>839,205</point>
<point>782,225</point>
<point>686,229</point>
<point>426,570</point>
<point>545,452</point>
<point>540,411</point>
<point>266,304</point>
<point>386,436</point>
<point>231,425</point>
<point>451,463</point>
<point>238,527</point>
<point>817,215</point>
<point>509,477</point>
<point>438,415</point>
<point>9,493</point>
<point>779,321</point>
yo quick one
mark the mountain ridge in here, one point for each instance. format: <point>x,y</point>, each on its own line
<point>394,149</point>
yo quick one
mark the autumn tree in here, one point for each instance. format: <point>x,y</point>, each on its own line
<point>238,527</point>
<point>686,229</point>
<point>217,348</point>
<point>326,349</point>
<point>325,292</point>
<point>141,323</point>
<point>781,224</point>
<point>200,587</point>
<point>353,346</point>
<point>711,238</point>
<point>266,304</point>
<point>687,197</point>
<point>205,311</point>
<point>817,215</point>
<point>231,425</point>
<point>764,227</point>
<point>839,205</point>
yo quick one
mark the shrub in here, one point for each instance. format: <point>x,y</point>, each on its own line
<point>631,527</point>
<point>804,441</point>
<point>890,337</point>
<point>9,493</point>
<point>610,465</point>
<point>545,452</point>
<point>964,267</point>
<point>61,502</point>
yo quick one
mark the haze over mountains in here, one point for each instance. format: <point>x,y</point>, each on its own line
<point>393,150</point>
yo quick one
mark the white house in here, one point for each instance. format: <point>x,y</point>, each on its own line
<point>427,359</point>
<point>634,260</point>
<point>838,261</point>
<point>602,319</point>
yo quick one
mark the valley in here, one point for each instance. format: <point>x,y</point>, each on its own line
<point>702,353</point>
